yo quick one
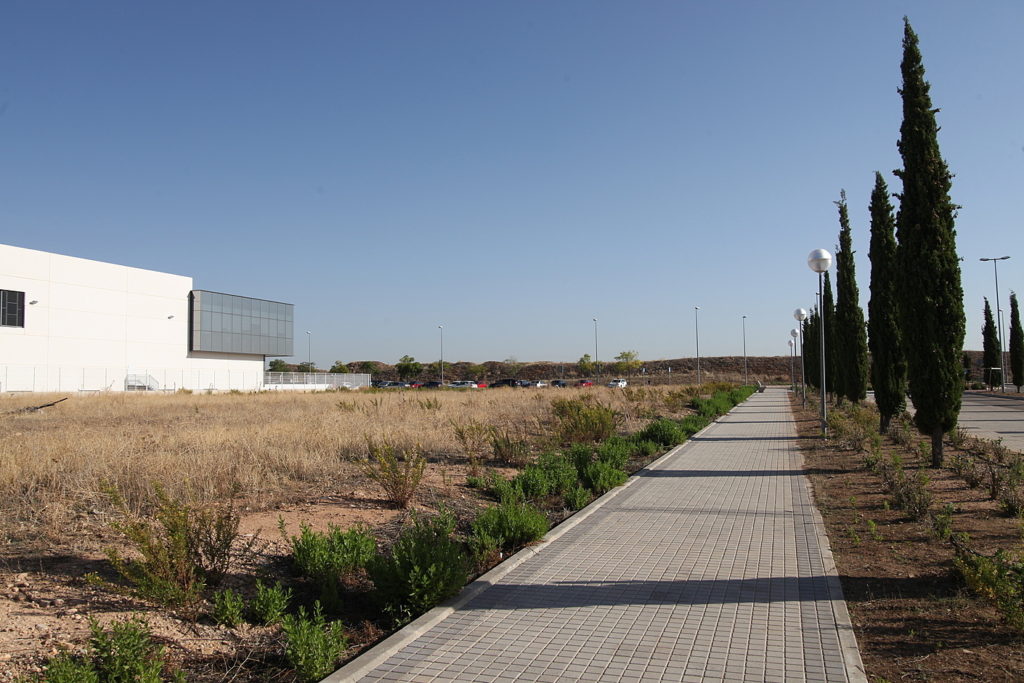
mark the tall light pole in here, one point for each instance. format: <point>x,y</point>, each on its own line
<point>745,382</point>
<point>820,261</point>
<point>792,373</point>
<point>309,351</point>
<point>795,335</point>
<point>801,315</point>
<point>999,321</point>
<point>441,329</point>
<point>595,348</point>
<point>696,331</point>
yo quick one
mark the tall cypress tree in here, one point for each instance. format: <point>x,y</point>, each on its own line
<point>990,351</point>
<point>828,320</point>
<point>851,337</point>
<point>812,349</point>
<point>888,368</point>
<point>1016,343</point>
<point>931,296</point>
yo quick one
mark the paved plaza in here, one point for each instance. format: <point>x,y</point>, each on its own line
<point>991,416</point>
<point>711,565</point>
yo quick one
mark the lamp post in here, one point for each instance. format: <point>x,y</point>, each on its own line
<point>801,315</point>
<point>696,331</point>
<point>795,336</point>
<point>309,351</point>
<point>999,321</point>
<point>820,260</point>
<point>745,382</point>
<point>792,374</point>
<point>441,364</point>
<point>595,349</point>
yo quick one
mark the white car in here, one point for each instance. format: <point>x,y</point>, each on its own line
<point>463,384</point>
<point>617,384</point>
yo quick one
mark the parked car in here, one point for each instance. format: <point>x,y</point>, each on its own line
<point>525,383</point>
<point>463,384</point>
<point>481,385</point>
<point>617,384</point>
<point>394,385</point>
<point>505,383</point>
<point>431,385</point>
<point>540,384</point>
<point>584,383</point>
<point>416,385</point>
<point>559,383</point>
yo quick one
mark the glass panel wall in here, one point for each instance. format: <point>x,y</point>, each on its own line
<point>226,323</point>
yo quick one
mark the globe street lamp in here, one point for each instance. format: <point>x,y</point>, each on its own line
<point>820,260</point>
<point>999,322</point>
<point>795,335</point>
<point>801,315</point>
<point>441,329</point>
<point>745,382</point>
<point>696,329</point>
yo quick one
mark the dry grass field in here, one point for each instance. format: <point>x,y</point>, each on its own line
<point>273,449</point>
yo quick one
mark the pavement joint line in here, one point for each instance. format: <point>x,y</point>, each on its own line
<point>382,651</point>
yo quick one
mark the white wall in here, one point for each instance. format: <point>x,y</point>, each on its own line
<point>97,323</point>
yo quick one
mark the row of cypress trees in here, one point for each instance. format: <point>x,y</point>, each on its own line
<point>916,322</point>
<point>991,356</point>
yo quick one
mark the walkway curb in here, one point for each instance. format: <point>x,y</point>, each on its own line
<point>383,650</point>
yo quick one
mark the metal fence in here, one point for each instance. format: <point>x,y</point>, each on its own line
<point>319,380</point>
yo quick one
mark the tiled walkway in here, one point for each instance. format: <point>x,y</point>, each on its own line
<point>711,565</point>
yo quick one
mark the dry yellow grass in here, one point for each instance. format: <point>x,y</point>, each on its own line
<point>272,448</point>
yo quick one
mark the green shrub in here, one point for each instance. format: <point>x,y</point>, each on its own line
<point>124,654</point>
<point>397,471</point>
<point>601,477</point>
<point>533,482</point>
<point>582,420</point>
<point>271,603</point>
<point>424,566</point>
<point>560,471</point>
<point>326,557</point>
<point>578,498</point>
<point>942,523</point>
<point>615,451</point>
<point>312,646</point>
<point>580,455</point>
<point>646,448</point>
<point>691,424</point>
<point>511,525</point>
<point>999,578</point>
<point>228,607</point>
<point>183,548</point>
<point>66,668</point>
<point>664,432</point>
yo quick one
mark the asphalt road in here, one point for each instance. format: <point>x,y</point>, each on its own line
<point>994,417</point>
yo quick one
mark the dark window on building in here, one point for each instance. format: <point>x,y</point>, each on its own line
<point>12,308</point>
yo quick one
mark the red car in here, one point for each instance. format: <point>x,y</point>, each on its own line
<point>584,383</point>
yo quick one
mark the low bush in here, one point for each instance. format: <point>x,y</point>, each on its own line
<point>398,471</point>
<point>615,451</point>
<point>510,525</point>
<point>601,477</point>
<point>645,448</point>
<point>664,432</point>
<point>271,603</point>
<point>312,646</point>
<point>692,424</point>
<point>999,578</point>
<point>423,567</point>
<point>578,498</point>
<point>532,482</point>
<point>582,420</point>
<point>560,471</point>
<point>126,653</point>
<point>509,449</point>
<point>325,558</point>
<point>228,607</point>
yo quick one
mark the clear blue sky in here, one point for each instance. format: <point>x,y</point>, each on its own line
<point>508,170</point>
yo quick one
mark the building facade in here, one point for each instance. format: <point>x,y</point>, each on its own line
<point>70,324</point>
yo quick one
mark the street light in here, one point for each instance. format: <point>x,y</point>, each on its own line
<point>999,322</point>
<point>595,348</point>
<point>441,328</point>
<point>820,261</point>
<point>309,351</point>
<point>696,330</point>
<point>792,374</point>
<point>745,382</point>
<point>801,315</point>
<point>795,335</point>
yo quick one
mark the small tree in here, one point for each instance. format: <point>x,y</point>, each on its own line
<point>585,365</point>
<point>278,365</point>
<point>306,367</point>
<point>626,363</point>
<point>990,349</point>
<point>339,367</point>
<point>1016,344</point>
<point>407,368</point>
<point>368,367</point>
<point>850,336</point>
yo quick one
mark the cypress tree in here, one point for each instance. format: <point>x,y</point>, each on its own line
<point>888,368</point>
<point>931,296</point>
<point>828,319</point>
<point>990,351</point>
<point>1016,343</point>
<point>812,349</point>
<point>851,337</point>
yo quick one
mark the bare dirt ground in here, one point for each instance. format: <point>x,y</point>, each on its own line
<point>914,618</point>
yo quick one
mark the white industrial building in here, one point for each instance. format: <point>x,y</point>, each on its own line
<point>70,324</point>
